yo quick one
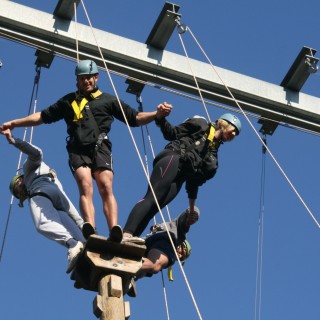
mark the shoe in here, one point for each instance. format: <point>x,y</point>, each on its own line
<point>116,234</point>
<point>132,290</point>
<point>88,230</point>
<point>73,255</point>
<point>135,240</point>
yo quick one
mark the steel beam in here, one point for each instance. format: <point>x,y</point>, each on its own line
<point>46,32</point>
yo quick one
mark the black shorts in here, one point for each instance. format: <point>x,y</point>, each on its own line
<point>100,159</point>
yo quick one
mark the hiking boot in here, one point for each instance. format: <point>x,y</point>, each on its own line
<point>135,240</point>
<point>88,230</point>
<point>73,255</point>
<point>116,234</point>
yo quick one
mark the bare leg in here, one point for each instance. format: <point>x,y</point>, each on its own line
<point>84,181</point>
<point>104,179</point>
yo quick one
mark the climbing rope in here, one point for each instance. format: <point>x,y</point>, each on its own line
<point>255,131</point>
<point>76,27</point>
<point>257,304</point>
<point>140,158</point>
<point>146,171</point>
<point>140,109</point>
<point>139,155</point>
<point>33,101</point>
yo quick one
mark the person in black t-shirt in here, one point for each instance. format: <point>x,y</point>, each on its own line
<point>89,114</point>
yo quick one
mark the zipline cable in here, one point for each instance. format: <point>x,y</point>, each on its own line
<point>33,101</point>
<point>259,265</point>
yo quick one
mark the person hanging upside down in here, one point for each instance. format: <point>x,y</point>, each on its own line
<point>160,253</point>
<point>89,114</point>
<point>53,214</point>
<point>190,157</point>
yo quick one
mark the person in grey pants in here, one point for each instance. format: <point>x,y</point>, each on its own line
<point>54,215</point>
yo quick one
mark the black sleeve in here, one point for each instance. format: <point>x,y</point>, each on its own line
<point>60,110</point>
<point>195,126</point>
<point>182,226</point>
<point>130,113</point>
<point>192,188</point>
<point>193,183</point>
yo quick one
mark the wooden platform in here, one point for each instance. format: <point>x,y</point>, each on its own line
<point>102,257</point>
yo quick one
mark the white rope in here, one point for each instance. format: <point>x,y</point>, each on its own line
<point>257,134</point>
<point>76,27</point>
<point>141,161</point>
<point>194,77</point>
<point>35,86</point>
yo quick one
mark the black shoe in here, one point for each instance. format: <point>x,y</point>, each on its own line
<point>88,230</point>
<point>116,234</point>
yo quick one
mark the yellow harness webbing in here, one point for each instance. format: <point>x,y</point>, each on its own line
<point>211,136</point>
<point>78,106</point>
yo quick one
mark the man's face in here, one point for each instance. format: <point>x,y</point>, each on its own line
<point>229,133</point>
<point>87,83</point>
<point>182,252</point>
<point>18,188</point>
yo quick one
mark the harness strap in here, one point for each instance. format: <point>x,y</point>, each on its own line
<point>42,194</point>
<point>211,136</point>
<point>78,106</point>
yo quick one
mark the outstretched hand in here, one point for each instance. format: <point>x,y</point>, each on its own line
<point>163,110</point>
<point>7,133</point>
<point>6,125</point>
<point>193,217</point>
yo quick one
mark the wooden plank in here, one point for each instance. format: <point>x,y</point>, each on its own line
<point>102,257</point>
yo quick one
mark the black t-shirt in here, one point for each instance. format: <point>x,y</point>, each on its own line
<point>104,109</point>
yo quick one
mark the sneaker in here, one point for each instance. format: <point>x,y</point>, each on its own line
<point>116,234</point>
<point>73,255</point>
<point>88,230</point>
<point>135,240</point>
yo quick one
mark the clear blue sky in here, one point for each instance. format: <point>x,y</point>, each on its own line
<point>258,39</point>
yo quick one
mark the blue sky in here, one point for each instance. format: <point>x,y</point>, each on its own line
<point>256,39</point>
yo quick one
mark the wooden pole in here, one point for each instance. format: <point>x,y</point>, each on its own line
<point>107,268</point>
<point>110,303</point>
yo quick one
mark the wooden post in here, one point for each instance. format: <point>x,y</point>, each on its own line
<point>111,300</point>
<point>106,267</point>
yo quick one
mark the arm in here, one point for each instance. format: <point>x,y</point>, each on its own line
<point>29,121</point>
<point>163,110</point>
<point>192,203</point>
<point>195,126</point>
<point>187,218</point>
<point>34,153</point>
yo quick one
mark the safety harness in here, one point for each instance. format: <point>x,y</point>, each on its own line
<point>207,138</point>
<point>78,106</point>
<point>92,131</point>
